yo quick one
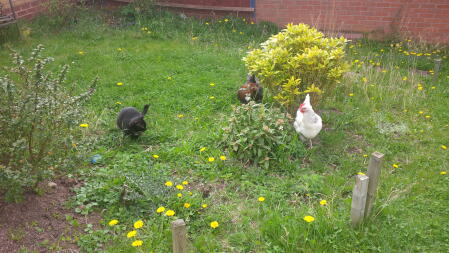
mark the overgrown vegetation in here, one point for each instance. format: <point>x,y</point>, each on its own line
<point>189,71</point>
<point>257,134</point>
<point>298,60</point>
<point>39,117</point>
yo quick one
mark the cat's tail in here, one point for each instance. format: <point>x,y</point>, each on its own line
<point>145,109</point>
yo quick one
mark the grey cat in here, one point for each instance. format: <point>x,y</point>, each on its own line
<point>131,121</point>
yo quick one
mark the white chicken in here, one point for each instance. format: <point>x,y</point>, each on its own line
<point>307,123</point>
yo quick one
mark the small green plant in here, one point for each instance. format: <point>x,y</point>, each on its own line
<point>298,60</point>
<point>39,119</point>
<point>255,133</point>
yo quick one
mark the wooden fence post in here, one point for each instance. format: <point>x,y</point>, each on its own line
<point>179,235</point>
<point>373,173</point>
<point>359,199</point>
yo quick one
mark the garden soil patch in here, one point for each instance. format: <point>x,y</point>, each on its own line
<point>39,223</point>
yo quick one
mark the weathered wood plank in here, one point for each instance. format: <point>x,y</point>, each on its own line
<point>179,235</point>
<point>359,199</point>
<point>373,173</point>
<point>204,7</point>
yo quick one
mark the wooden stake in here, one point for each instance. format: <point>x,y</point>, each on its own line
<point>179,235</point>
<point>373,173</point>
<point>359,199</point>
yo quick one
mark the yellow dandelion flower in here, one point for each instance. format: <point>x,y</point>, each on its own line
<point>118,103</point>
<point>185,182</point>
<point>131,234</point>
<point>212,84</point>
<point>81,52</point>
<point>222,157</point>
<point>214,224</point>
<point>119,49</point>
<point>202,149</point>
<point>155,156</point>
<point>226,20</point>
<point>365,155</point>
<point>323,202</point>
<point>207,23</point>
<point>137,243</point>
<point>190,193</point>
<point>180,115</point>
<point>443,173</point>
<point>309,218</point>
<point>420,112</point>
<point>169,78</point>
<point>384,71</point>
<point>211,159</point>
<point>428,116</point>
<point>443,147</point>
<point>169,183</point>
<point>361,173</point>
<point>433,87</point>
<point>186,205</point>
<point>119,84</point>
<point>261,199</point>
<point>84,125</point>
<point>160,209</point>
<point>252,22</point>
<point>351,94</point>
<point>211,97</point>
<point>170,213</point>
<point>365,80</point>
<point>204,205</point>
<point>113,223</point>
<point>194,38</point>
<point>138,224</point>
<point>179,187</point>
<point>179,195</point>
<point>395,166</point>
<point>404,78</point>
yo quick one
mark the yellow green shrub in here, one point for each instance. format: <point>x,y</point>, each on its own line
<point>298,60</point>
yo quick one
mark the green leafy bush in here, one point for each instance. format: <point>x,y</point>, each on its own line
<point>39,119</point>
<point>298,60</point>
<point>255,133</point>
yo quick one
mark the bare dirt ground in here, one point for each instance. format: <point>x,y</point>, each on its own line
<point>42,223</point>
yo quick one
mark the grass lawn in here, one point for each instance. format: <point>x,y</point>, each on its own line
<point>377,107</point>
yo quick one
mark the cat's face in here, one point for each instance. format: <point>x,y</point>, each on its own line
<point>138,125</point>
<point>254,88</point>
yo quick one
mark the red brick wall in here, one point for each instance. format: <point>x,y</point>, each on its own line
<point>24,8</point>
<point>424,19</point>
